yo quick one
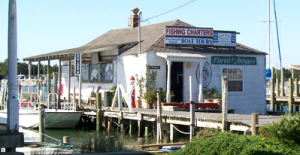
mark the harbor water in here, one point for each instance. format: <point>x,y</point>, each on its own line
<point>77,137</point>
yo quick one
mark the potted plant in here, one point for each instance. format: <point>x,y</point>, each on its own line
<point>217,98</point>
<point>150,97</point>
<point>208,94</point>
<point>149,84</point>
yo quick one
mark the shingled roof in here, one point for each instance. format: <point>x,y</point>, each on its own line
<point>152,40</point>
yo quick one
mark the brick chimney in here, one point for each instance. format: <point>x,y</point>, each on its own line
<point>134,19</point>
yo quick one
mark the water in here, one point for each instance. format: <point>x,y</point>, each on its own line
<point>77,137</point>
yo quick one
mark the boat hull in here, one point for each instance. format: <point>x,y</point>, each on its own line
<point>53,119</point>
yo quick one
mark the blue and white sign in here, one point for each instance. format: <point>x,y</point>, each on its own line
<point>77,63</point>
<point>225,39</point>
<point>188,41</point>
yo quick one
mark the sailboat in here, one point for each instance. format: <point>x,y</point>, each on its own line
<point>268,72</point>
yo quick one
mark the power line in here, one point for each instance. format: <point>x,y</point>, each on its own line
<point>169,11</point>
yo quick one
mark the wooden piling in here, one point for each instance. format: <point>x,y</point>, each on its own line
<point>277,87</point>
<point>173,133</point>
<point>272,95</point>
<point>99,112</point>
<point>296,88</point>
<point>141,141</point>
<point>41,123</point>
<point>146,131</point>
<point>290,99</point>
<point>254,122</point>
<point>282,83</point>
<point>192,119</point>
<point>140,126</point>
<point>224,103</point>
<point>66,140</point>
<point>110,143</point>
<point>132,126</point>
<point>94,144</point>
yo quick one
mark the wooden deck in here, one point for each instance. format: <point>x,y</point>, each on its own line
<point>236,122</point>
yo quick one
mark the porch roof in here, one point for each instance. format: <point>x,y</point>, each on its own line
<point>181,56</point>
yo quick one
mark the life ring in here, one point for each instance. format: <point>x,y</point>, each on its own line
<point>25,103</point>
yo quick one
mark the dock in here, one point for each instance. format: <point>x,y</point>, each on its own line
<point>235,122</point>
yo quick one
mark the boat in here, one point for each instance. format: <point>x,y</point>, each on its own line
<point>65,117</point>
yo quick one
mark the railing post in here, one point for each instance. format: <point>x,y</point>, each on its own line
<point>254,121</point>
<point>224,103</point>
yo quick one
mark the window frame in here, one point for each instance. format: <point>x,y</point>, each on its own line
<point>242,79</point>
<point>101,72</point>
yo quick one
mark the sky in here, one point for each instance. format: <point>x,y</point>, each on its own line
<point>51,25</point>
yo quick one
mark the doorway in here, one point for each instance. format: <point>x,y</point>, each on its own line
<point>177,82</point>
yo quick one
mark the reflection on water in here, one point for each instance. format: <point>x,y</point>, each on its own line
<point>77,137</point>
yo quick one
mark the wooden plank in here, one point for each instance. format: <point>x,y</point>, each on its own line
<point>11,140</point>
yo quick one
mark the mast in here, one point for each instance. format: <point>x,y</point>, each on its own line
<point>269,33</point>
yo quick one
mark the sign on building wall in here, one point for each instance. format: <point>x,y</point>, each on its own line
<point>224,39</point>
<point>199,37</point>
<point>77,63</point>
<point>190,31</point>
<point>206,74</point>
<point>188,41</point>
<point>233,60</point>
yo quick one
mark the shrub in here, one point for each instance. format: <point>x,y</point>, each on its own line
<point>287,130</point>
<point>227,143</point>
<point>150,96</point>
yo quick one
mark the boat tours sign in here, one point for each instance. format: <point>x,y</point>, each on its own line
<point>77,63</point>
<point>224,39</point>
<point>188,41</point>
<point>233,60</point>
<point>188,31</point>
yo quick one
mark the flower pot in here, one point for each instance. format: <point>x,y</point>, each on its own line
<point>208,100</point>
<point>138,103</point>
<point>219,102</point>
<point>150,105</point>
<point>145,104</point>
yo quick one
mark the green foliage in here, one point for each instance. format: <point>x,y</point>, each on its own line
<point>150,83</point>
<point>22,68</point>
<point>141,85</point>
<point>163,95</point>
<point>217,95</point>
<point>25,95</point>
<point>217,143</point>
<point>150,96</point>
<point>286,131</point>
<point>209,92</point>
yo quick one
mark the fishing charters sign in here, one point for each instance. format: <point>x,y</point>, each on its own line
<point>233,60</point>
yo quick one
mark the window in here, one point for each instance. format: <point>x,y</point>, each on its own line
<point>85,72</point>
<point>107,72</point>
<point>96,73</point>
<point>235,78</point>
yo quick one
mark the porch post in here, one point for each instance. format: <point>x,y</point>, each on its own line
<point>59,82</point>
<point>168,99</point>
<point>200,96</point>
<point>29,69</point>
<point>48,78</point>
<point>69,80</point>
